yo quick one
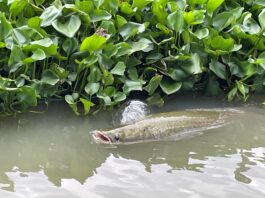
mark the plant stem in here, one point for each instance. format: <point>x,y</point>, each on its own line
<point>76,82</point>
<point>34,71</point>
<point>83,81</point>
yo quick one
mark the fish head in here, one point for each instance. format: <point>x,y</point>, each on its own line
<point>105,138</point>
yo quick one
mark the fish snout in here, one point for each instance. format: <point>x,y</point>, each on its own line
<point>101,137</point>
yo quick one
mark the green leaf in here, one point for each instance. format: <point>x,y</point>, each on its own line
<point>169,87</point>
<point>177,74</point>
<point>20,36</point>
<point>70,99</point>
<point>153,84</point>
<point>250,25</point>
<point>46,44</point>
<point>212,87</point>
<point>131,29</point>
<point>85,6</point>
<point>111,5</point>
<point>194,17</point>
<point>16,56</point>
<point>126,8</point>
<point>201,33</point>
<point>110,50</point>
<point>187,85</point>
<point>177,5</point>
<point>93,43</point>
<point>70,45</point>
<point>242,89</point>
<point>197,2</point>
<point>17,7</point>
<point>142,45</point>
<point>259,2</point>
<point>87,105</point>
<point>110,91</point>
<point>27,96</point>
<point>2,45</point>
<point>123,49</point>
<point>232,94</point>
<point>119,69</point>
<point>49,15</point>
<point>68,28</point>
<point>223,20</point>
<point>141,3</point>
<point>133,74</point>
<point>49,77</point>
<point>37,54</point>
<point>159,10</point>
<point>212,5</point>
<point>220,43</point>
<point>175,21</point>
<point>262,19</point>
<point>119,96</point>
<point>100,15</point>
<point>5,26</point>
<point>261,60</point>
<point>34,22</point>
<point>95,75</point>
<point>121,21</point>
<point>131,85</point>
<point>163,28</point>
<point>105,98</point>
<point>108,78</point>
<point>155,99</point>
<point>92,88</point>
<point>192,65</point>
<point>39,2</point>
<point>86,63</point>
<point>218,68</point>
<point>98,3</point>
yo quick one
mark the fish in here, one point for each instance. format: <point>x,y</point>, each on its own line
<point>164,126</point>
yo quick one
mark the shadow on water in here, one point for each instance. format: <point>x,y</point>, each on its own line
<point>58,143</point>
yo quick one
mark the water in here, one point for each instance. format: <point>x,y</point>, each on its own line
<point>52,155</point>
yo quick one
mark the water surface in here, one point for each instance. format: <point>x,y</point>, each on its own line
<point>52,155</point>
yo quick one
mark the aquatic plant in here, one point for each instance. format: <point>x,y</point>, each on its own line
<point>99,52</point>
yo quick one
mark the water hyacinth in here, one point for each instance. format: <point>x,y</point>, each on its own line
<point>97,53</point>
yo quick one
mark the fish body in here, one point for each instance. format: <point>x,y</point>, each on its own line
<point>163,125</point>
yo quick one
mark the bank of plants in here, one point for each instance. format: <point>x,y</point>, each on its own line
<point>97,53</point>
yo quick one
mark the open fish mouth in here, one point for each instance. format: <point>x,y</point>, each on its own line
<point>100,137</point>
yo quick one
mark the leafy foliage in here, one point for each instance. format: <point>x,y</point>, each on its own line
<point>99,52</point>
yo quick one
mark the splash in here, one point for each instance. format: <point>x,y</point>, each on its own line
<point>131,112</point>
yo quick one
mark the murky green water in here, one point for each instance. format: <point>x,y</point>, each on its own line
<point>52,155</point>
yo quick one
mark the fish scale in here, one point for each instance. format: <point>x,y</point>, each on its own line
<point>164,125</point>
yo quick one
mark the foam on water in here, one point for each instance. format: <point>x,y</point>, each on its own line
<point>130,112</point>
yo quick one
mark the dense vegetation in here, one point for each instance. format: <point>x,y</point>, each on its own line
<point>99,52</point>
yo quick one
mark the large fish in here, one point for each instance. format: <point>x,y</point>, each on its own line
<point>165,125</point>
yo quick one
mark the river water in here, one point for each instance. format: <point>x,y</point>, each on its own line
<point>52,155</point>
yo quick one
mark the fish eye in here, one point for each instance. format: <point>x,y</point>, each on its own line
<point>117,138</point>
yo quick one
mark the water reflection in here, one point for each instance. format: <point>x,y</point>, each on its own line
<point>54,156</point>
<point>60,146</point>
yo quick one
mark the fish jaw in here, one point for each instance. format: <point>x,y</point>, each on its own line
<point>101,137</point>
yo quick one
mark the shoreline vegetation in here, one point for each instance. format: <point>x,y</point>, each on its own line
<point>97,53</point>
